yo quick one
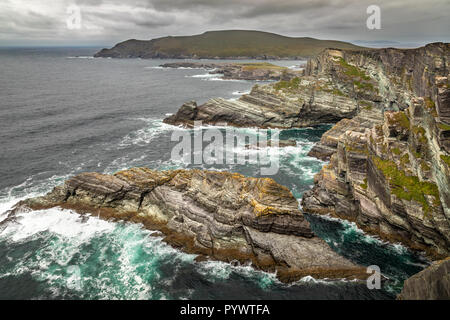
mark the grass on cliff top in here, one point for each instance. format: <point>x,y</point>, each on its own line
<point>261,65</point>
<point>431,106</point>
<point>360,79</point>
<point>288,85</point>
<point>353,71</point>
<point>408,187</point>
<point>444,126</point>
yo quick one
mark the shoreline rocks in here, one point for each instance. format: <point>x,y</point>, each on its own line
<point>217,215</point>
<point>261,71</point>
<point>433,283</point>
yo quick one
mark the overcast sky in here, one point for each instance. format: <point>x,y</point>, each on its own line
<point>106,22</point>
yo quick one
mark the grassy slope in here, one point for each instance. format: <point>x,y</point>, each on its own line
<point>239,43</point>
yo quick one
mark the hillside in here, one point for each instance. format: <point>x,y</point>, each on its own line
<point>224,44</point>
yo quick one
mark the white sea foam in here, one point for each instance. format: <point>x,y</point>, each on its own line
<point>205,75</point>
<point>240,93</point>
<point>81,57</point>
<point>145,135</point>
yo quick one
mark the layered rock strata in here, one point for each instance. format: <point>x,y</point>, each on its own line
<point>390,172</point>
<point>389,151</point>
<point>219,215</point>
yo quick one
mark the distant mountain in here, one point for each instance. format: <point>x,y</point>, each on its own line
<point>231,44</point>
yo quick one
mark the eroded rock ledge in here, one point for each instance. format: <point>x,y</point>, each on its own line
<point>217,215</point>
<point>258,71</point>
<point>433,283</point>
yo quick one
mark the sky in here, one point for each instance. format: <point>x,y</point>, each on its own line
<point>105,22</point>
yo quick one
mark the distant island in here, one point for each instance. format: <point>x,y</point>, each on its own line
<point>228,44</point>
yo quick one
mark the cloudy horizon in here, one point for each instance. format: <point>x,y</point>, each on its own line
<point>106,22</point>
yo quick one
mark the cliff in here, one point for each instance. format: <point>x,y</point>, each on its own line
<point>227,44</point>
<point>390,173</point>
<point>217,215</point>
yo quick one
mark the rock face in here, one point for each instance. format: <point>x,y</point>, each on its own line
<point>220,215</point>
<point>433,283</point>
<point>389,165</point>
<point>241,71</point>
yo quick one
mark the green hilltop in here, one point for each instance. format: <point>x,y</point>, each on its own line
<point>224,44</point>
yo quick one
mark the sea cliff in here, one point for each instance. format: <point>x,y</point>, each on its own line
<point>217,215</point>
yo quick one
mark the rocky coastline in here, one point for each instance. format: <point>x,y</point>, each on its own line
<point>262,71</point>
<point>216,215</point>
<point>389,151</point>
<point>388,170</point>
<point>240,45</point>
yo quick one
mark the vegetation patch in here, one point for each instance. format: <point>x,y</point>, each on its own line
<point>446,159</point>
<point>424,166</point>
<point>293,84</point>
<point>364,185</point>
<point>408,187</point>
<point>431,106</point>
<point>399,119</point>
<point>404,160</point>
<point>261,65</point>
<point>396,151</point>
<point>366,105</point>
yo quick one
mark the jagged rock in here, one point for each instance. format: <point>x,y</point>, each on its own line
<point>220,215</point>
<point>433,283</point>
<point>390,174</point>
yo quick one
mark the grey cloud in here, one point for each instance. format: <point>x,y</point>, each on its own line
<point>115,20</point>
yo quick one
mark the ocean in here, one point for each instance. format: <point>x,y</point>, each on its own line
<point>63,112</point>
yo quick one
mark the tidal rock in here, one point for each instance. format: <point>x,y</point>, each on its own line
<point>220,215</point>
<point>272,106</point>
<point>390,169</point>
<point>433,283</point>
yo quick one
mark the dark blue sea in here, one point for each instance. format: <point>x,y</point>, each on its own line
<point>63,112</point>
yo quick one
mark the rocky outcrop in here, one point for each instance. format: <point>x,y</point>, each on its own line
<point>389,165</point>
<point>433,283</point>
<point>300,102</point>
<point>241,71</point>
<point>217,215</point>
